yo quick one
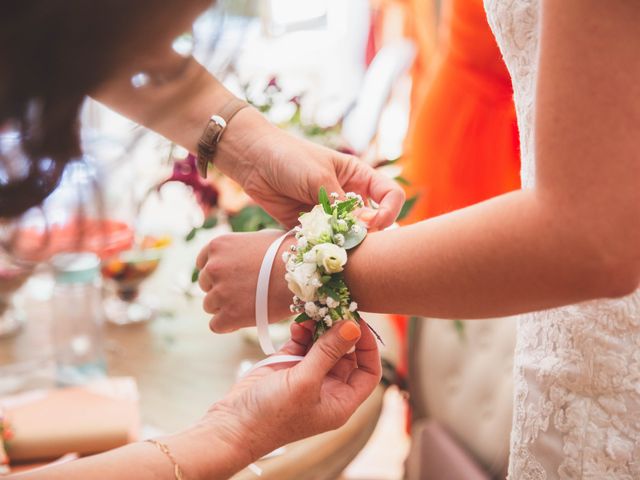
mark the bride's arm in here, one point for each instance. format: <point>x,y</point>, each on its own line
<point>576,236</point>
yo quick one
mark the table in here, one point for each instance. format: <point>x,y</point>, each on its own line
<point>182,368</point>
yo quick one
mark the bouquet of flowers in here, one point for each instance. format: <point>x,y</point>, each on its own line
<point>316,263</point>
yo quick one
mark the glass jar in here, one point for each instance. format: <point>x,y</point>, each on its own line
<point>78,318</point>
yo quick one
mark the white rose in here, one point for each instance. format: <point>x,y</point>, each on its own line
<point>303,281</point>
<point>315,224</point>
<point>330,256</point>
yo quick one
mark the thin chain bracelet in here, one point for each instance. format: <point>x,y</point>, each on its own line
<point>177,471</point>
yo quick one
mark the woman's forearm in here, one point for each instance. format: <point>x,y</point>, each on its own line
<point>180,110</point>
<point>199,451</point>
<point>509,255</point>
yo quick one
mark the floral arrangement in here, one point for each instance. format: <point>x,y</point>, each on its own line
<point>316,262</point>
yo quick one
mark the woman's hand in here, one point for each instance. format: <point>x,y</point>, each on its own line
<point>229,267</point>
<point>279,404</point>
<point>284,173</point>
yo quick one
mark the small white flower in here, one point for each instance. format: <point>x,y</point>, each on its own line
<point>350,195</point>
<point>328,321</point>
<point>311,309</point>
<point>353,306</point>
<point>293,248</point>
<point>315,224</point>
<point>292,308</point>
<point>323,311</point>
<point>356,229</point>
<point>316,282</point>
<point>296,300</point>
<point>334,195</point>
<point>342,224</point>
<point>329,256</point>
<point>331,303</point>
<point>302,242</point>
<point>291,264</point>
<point>286,256</point>
<point>339,239</point>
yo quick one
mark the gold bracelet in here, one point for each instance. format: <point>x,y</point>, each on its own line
<point>177,471</point>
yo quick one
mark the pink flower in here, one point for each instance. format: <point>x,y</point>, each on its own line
<point>185,171</point>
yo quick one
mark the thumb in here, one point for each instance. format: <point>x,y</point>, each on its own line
<point>330,348</point>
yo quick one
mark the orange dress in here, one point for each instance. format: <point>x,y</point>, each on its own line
<point>463,143</point>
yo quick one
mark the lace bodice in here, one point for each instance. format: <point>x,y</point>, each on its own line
<point>577,369</point>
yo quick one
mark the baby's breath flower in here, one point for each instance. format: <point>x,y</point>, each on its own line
<point>339,239</point>
<point>328,321</point>
<point>350,195</point>
<point>342,224</point>
<point>334,195</point>
<point>353,306</point>
<point>323,311</point>
<point>311,309</point>
<point>293,248</point>
<point>331,303</point>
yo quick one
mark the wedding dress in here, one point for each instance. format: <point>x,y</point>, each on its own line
<point>577,368</point>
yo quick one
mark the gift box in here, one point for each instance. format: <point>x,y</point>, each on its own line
<point>93,418</point>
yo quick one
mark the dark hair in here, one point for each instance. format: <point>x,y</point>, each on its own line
<point>52,54</point>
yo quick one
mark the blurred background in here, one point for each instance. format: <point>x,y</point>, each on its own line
<point>102,336</point>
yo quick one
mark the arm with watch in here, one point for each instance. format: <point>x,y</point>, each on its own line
<point>280,172</point>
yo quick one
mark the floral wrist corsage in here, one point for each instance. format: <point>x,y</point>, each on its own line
<point>315,264</point>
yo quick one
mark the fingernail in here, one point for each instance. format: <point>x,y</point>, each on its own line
<point>349,331</point>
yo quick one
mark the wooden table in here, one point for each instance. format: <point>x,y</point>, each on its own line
<point>182,368</point>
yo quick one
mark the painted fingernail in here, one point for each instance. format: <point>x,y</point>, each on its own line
<point>349,331</point>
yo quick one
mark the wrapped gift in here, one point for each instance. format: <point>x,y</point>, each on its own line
<point>48,424</point>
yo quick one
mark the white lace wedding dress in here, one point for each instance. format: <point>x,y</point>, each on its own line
<point>577,369</point>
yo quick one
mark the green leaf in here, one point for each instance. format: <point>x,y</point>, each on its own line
<point>303,317</point>
<point>325,279</point>
<point>402,181</point>
<point>346,206</point>
<point>195,274</point>
<point>251,218</point>
<point>459,326</point>
<point>407,207</point>
<point>210,223</point>
<point>191,235</point>
<point>323,198</point>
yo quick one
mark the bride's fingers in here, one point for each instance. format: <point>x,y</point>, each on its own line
<point>212,302</point>
<point>202,258</point>
<point>204,280</point>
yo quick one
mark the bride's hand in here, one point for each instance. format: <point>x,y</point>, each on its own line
<point>229,267</point>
